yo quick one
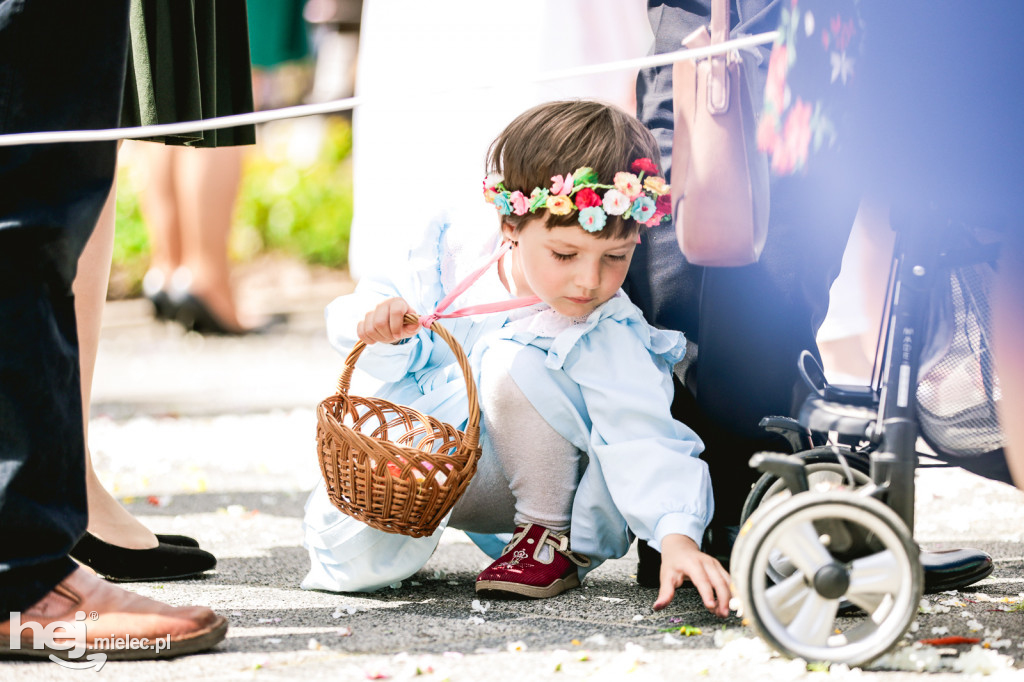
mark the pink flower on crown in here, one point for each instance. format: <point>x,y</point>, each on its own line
<point>560,186</point>
<point>628,184</point>
<point>587,198</point>
<point>520,204</point>
<point>644,165</point>
<point>615,202</point>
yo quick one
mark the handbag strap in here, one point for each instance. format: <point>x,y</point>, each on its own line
<point>719,21</point>
<point>718,82</point>
<point>460,288</point>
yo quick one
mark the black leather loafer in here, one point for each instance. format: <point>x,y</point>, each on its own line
<point>953,569</point>
<point>163,562</point>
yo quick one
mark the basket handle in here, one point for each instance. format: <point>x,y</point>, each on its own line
<point>473,425</point>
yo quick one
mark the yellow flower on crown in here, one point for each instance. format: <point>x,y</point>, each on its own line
<point>657,185</point>
<point>628,184</point>
<point>560,205</point>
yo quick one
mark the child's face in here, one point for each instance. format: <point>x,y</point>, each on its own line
<point>567,267</point>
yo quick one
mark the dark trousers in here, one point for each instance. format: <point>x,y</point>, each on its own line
<point>749,323</point>
<point>61,67</point>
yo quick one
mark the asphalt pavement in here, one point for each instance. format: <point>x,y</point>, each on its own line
<point>214,438</point>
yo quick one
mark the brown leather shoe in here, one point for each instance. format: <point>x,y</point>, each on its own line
<point>103,618</point>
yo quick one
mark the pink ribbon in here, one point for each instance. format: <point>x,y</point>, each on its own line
<point>497,307</point>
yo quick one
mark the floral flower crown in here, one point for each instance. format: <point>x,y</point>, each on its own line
<point>644,199</point>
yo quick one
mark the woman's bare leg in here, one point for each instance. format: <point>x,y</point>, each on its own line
<point>207,183</point>
<point>108,520</point>
<point>159,204</point>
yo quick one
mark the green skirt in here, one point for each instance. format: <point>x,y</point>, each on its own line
<point>189,60</point>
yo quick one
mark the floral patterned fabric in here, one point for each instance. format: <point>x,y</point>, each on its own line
<point>811,74</point>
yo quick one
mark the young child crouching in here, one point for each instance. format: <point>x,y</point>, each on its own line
<point>580,451</point>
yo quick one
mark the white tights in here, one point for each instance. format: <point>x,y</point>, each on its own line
<point>530,472</point>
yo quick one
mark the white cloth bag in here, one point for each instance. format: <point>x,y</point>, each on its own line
<point>346,555</point>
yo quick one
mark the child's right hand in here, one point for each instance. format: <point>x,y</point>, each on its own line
<point>385,323</point>
<point>681,559</point>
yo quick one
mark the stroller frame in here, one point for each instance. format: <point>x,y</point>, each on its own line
<point>801,560</point>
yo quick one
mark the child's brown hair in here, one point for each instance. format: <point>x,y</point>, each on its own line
<point>556,138</point>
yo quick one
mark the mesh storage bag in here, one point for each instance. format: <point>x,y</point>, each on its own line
<point>958,390</point>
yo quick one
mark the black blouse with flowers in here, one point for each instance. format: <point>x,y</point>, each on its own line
<point>811,75</point>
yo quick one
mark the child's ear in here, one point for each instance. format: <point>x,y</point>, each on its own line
<point>508,230</point>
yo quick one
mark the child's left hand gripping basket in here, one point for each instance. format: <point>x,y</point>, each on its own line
<point>389,466</point>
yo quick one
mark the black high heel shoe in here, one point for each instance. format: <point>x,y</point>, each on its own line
<point>164,562</point>
<point>163,307</point>
<point>154,288</point>
<point>195,315</point>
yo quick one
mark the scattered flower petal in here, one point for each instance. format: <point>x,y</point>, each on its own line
<point>949,641</point>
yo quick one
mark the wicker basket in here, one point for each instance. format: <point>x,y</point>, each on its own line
<point>389,466</point>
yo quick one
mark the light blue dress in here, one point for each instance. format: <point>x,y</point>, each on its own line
<point>606,389</point>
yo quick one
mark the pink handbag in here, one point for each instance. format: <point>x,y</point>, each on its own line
<point>719,178</point>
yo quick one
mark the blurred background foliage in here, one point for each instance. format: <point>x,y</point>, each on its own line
<point>295,199</point>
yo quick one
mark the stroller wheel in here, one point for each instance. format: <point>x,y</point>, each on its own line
<point>841,547</point>
<point>824,471</point>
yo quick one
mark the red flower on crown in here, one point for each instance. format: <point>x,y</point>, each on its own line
<point>645,165</point>
<point>586,198</point>
<point>663,204</point>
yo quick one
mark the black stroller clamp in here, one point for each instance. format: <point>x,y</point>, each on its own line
<point>839,511</point>
<point>799,436</point>
<point>789,468</point>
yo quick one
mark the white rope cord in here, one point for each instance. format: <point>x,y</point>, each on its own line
<point>335,106</point>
